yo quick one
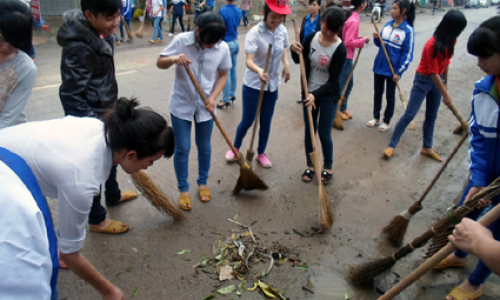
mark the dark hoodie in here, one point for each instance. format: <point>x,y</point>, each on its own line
<point>87,68</point>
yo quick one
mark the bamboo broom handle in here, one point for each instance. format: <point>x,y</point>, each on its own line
<point>458,116</point>
<point>217,122</point>
<point>436,177</point>
<point>486,220</point>
<point>261,95</point>
<point>306,90</point>
<point>342,98</point>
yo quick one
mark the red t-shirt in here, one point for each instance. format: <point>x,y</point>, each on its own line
<point>430,64</point>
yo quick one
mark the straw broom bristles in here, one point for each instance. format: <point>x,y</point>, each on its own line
<point>140,33</point>
<point>364,274</point>
<point>129,31</point>
<point>248,180</point>
<point>154,194</point>
<point>395,231</point>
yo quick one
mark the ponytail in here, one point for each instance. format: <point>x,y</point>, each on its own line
<point>138,129</point>
<point>409,8</point>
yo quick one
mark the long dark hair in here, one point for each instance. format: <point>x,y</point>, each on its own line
<point>409,10</point>
<point>212,27</point>
<point>485,40</point>
<point>334,17</point>
<point>16,24</point>
<point>356,4</point>
<point>138,129</point>
<point>447,32</point>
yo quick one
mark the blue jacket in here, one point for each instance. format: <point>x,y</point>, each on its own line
<point>127,10</point>
<point>484,134</point>
<point>399,43</point>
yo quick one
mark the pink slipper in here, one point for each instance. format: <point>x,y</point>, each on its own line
<point>230,156</point>
<point>264,161</point>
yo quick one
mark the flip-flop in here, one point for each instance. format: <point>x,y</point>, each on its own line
<point>129,195</point>
<point>115,227</point>
<point>205,192</point>
<point>344,116</point>
<point>388,152</point>
<point>446,263</point>
<point>185,200</point>
<point>348,114</point>
<point>433,155</point>
<point>460,294</point>
<point>309,174</point>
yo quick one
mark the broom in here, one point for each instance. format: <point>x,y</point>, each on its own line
<point>129,32</point>
<point>337,123</point>
<point>412,125</point>
<point>464,125</point>
<point>364,274</point>
<point>140,33</point>
<point>325,210</point>
<point>248,180</point>
<point>486,220</point>
<point>250,153</point>
<point>154,194</point>
<point>395,231</point>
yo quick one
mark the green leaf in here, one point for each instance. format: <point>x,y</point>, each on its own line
<point>263,273</point>
<point>242,286</point>
<point>303,267</point>
<point>129,269</point>
<point>183,251</point>
<point>238,293</point>
<point>236,217</point>
<point>226,290</point>
<point>218,257</point>
<point>208,296</point>
<point>134,249</point>
<point>136,292</point>
<point>187,259</point>
<point>346,297</point>
<point>146,254</point>
<point>206,271</point>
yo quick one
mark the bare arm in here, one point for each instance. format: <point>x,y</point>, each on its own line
<point>442,88</point>
<point>446,77</point>
<point>264,77</point>
<point>286,67</point>
<point>86,271</point>
<point>220,83</point>
<point>165,62</point>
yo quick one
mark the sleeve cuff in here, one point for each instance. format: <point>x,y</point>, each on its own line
<point>67,246</point>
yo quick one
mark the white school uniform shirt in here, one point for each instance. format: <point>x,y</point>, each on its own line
<point>25,259</point>
<point>70,160</point>
<point>156,6</point>
<point>185,103</point>
<point>257,42</point>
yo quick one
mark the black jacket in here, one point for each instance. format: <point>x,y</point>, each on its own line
<point>332,86</point>
<point>318,26</point>
<point>87,68</point>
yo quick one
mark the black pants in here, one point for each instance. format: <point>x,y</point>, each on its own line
<point>112,193</point>
<point>174,17</point>
<point>390,96</point>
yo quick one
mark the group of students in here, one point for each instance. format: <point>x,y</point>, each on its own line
<point>70,159</point>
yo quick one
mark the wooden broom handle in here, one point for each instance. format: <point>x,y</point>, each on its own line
<point>125,22</point>
<point>436,177</point>
<point>386,55</point>
<point>350,76</point>
<point>261,95</point>
<point>486,220</point>
<point>306,90</point>
<point>217,122</point>
<point>458,116</point>
<point>144,14</point>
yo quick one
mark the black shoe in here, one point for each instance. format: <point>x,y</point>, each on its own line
<point>326,177</point>
<point>309,174</point>
<point>232,99</point>
<point>223,104</point>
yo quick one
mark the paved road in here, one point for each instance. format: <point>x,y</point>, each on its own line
<point>366,192</point>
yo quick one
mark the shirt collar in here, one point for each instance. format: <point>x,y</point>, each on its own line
<point>263,28</point>
<point>191,40</point>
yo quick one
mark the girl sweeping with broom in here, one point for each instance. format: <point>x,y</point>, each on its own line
<point>430,82</point>
<point>210,60</point>
<point>324,55</point>
<point>484,147</point>
<point>398,38</point>
<point>268,31</point>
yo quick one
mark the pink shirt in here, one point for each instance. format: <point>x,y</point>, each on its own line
<point>350,35</point>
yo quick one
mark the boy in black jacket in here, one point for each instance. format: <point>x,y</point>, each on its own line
<point>89,85</point>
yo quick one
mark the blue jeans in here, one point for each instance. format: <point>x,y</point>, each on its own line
<point>481,272</point>
<point>423,88</point>
<point>112,193</point>
<point>326,109</point>
<point>179,16</point>
<point>245,17</point>
<point>344,75</point>
<point>157,33</point>
<point>250,99</point>
<point>230,87</point>
<point>121,27</point>
<point>182,138</point>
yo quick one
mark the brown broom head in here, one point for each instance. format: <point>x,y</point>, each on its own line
<point>154,194</point>
<point>412,125</point>
<point>325,210</point>
<point>248,180</point>
<point>364,274</point>
<point>338,123</point>
<point>140,33</point>
<point>250,155</point>
<point>395,231</point>
<point>458,130</point>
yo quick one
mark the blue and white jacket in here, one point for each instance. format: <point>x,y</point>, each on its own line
<point>484,134</point>
<point>399,43</point>
<point>127,9</point>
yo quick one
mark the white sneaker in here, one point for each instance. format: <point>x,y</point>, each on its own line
<point>384,127</point>
<point>170,34</point>
<point>373,123</point>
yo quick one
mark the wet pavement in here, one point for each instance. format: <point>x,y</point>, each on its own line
<point>366,191</point>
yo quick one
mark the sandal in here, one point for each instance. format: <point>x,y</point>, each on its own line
<point>327,177</point>
<point>185,200</point>
<point>115,227</point>
<point>446,263</point>
<point>433,155</point>
<point>309,174</point>
<point>373,123</point>
<point>460,294</point>
<point>129,195</point>
<point>388,152</point>
<point>205,192</point>
<point>344,117</point>
<point>348,114</point>
<point>384,127</point>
